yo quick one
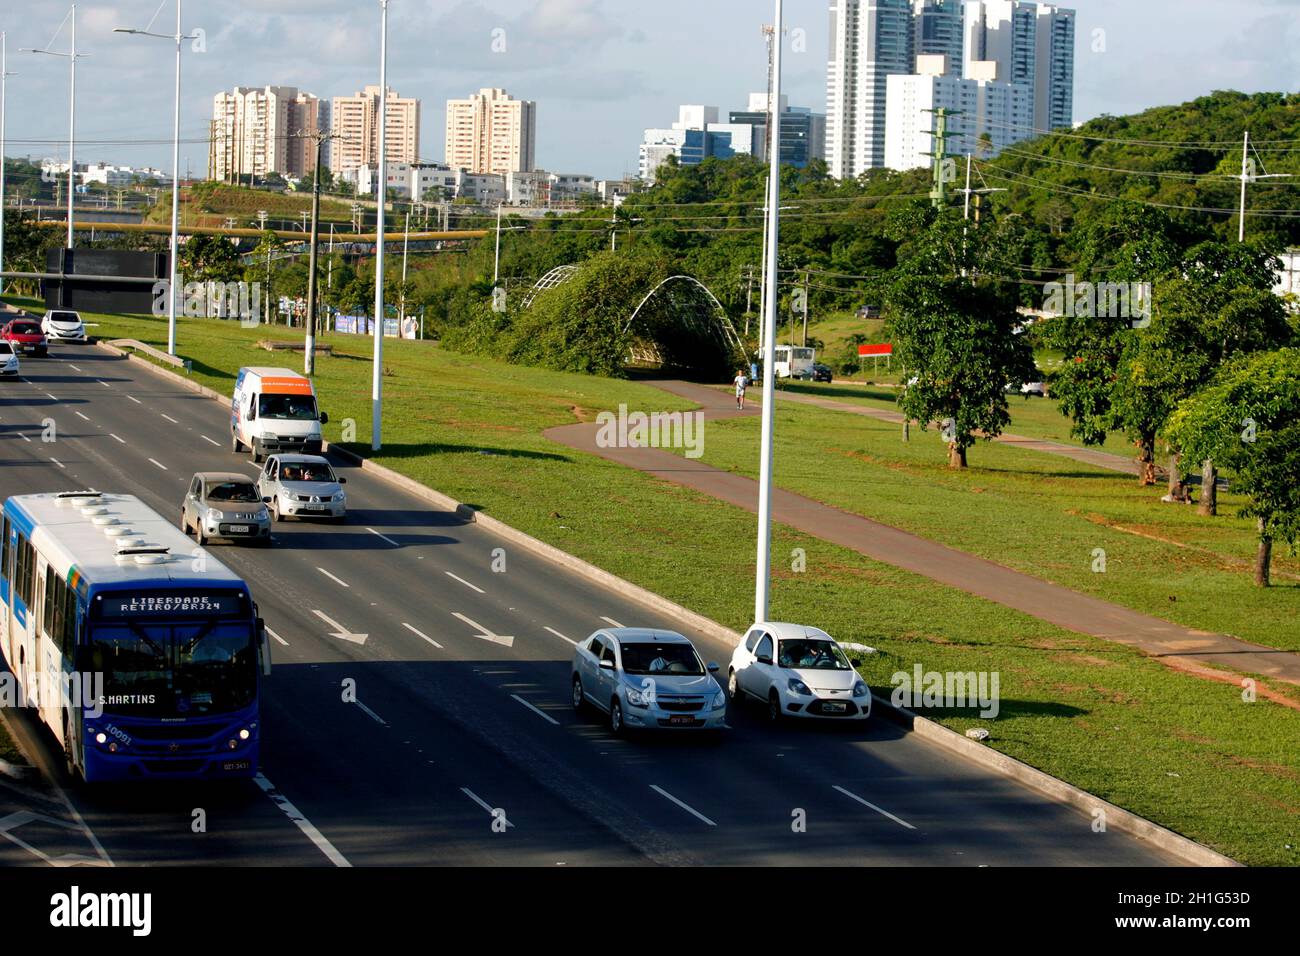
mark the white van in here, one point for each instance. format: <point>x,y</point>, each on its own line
<point>794,362</point>
<point>274,410</point>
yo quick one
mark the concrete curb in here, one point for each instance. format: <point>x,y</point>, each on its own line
<point>1193,853</point>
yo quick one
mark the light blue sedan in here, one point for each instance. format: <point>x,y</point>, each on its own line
<point>646,679</point>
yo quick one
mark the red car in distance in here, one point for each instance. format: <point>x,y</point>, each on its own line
<point>25,335</point>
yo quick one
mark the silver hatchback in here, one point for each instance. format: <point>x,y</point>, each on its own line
<point>225,505</point>
<point>646,679</point>
<point>303,486</point>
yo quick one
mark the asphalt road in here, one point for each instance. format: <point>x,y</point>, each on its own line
<point>462,726</point>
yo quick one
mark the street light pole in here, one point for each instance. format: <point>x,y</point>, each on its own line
<point>4,72</point>
<point>179,38</point>
<point>309,352</point>
<point>377,385</point>
<point>762,589</point>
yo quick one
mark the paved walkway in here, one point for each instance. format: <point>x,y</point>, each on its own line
<point>1053,603</point>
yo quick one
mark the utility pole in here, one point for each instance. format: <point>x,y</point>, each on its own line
<point>4,73</point>
<point>318,140</point>
<point>1248,177</point>
<point>939,194</point>
<point>805,308</point>
<point>977,193</point>
<point>377,383</point>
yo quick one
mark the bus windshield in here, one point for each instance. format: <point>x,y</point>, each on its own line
<point>162,669</point>
<point>297,408</point>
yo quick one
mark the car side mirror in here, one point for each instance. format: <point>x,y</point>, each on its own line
<point>856,662</point>
<point>324,418</point>
<point>763,659</point>
<point>267,501</point>
<point>713,667</point>
<point>607,665</point>
<point>343,481</point>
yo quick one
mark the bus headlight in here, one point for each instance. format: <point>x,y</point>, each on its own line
<point>244,734</point>
<point>101,738</point>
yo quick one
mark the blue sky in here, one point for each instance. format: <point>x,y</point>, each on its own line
<point>601,70</point>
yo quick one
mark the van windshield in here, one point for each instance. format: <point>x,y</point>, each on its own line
<point>298,408</point>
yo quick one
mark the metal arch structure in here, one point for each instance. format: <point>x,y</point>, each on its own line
<point>556,277</point>
<point>730,330</point>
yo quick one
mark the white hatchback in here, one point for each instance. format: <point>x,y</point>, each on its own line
<point>63,325</point>
<point>9,367</point>
<point>797,671</point>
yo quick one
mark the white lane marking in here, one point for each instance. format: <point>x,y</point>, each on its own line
<point>338,581</point>
<point>540,713</point>
<point>385,537</point>
<point>372,715</point>
<point>57,462</point>
<point>81,416</point>
<point>685,806</point>
<point>341,632</point>
<point>170,419</point>
<point>210,441</point>
<point>115,438</point>
<point>561,636</point>
<point>54,398</point>
<point>492,811</point>
<point>293,813</point>
<point>104,383</point>
<point>421,634</point>
<point>277,637</point>
<point>134,399</point>
<point>73,367</point>
<point>611,622</point>
<point>868,803</point>
<point>485,634</point>
<point>158,463</point>
<point>23,437</point>
<point>464,582</point>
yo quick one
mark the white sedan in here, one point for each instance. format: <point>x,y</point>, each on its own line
<point>797,671</point>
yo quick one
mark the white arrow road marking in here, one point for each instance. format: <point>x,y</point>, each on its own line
<point>472,587</point>
<point>687,807</point>
<point>868,803</point>
<point>421,634</point>
<point>492,811</point>
<point>486,635</point>
<point>540,713</point>
<point>341,632</point>
<point>293,813</point>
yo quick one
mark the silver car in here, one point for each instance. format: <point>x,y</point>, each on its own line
<point>646,679</point>
<point>225,505</point>
<point>303,486</point>
<point>9,366</point>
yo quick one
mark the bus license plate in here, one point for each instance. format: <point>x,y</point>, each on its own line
<point>236,765</point>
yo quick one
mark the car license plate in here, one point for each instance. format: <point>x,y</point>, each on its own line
<point>681,720</point>
<point>832,707</point>
<point>240,529</point>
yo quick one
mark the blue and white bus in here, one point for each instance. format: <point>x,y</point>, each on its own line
<point>143,655</point>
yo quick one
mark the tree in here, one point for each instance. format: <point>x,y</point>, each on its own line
<point>1248,420</point>
<point>205,258</point>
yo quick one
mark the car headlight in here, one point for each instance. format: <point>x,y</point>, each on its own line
<point>799,687</point>
<point>860,689</point>
<point>213,515</point>
<point>719,700</point>
<point>264,515</point>
<point>638,698</point>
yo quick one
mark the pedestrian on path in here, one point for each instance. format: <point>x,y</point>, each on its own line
<point>741,382</point>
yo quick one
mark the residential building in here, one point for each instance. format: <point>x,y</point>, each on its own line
<point>1028,43</point>
<point>264,130</point>
<point>870,39</point>
<point>803,132</point>
<point>981,107</point>
<point>354,122</point>
<point>492,132</point>
<point>938,29</point>
<point>528,188</point>
<point>485,189</point>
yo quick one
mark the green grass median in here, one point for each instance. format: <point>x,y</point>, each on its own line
<point>1188,753</point>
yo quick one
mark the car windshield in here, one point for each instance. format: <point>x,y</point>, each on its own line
<point>298,408</point>
<point>813,655</point>
<point>306,472</point>
<point>175,670</point>
<point>243,492</point>
<point>661,659</point>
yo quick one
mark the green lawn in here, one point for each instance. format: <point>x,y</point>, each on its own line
<point>1185,752</point>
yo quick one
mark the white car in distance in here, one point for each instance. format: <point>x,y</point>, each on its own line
<point>63,325</point>
<point>797,671</point>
